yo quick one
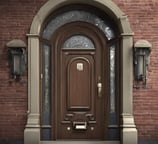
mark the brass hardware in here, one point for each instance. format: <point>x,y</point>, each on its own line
<point>68,128</point>
<point>99,85</point>
<point>80,125</point>
<point>80,66</point>
<point>92,128</point>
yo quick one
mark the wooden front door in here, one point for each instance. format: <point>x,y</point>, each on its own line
<point>79,78</point>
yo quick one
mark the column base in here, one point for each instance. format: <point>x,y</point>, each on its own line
<point>129,133</point>
<point>32,130</point>
<point>32,136</point>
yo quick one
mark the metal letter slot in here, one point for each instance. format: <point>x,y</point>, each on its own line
<point>80,125</point>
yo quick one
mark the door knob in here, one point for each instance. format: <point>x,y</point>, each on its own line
<point>99,85</point>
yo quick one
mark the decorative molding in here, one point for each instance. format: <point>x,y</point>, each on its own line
<point>32,129</point>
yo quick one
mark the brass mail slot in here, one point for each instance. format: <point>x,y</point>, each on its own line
<point>80,125</point>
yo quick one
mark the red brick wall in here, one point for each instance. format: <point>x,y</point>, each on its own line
<point>143,17</point>
<point>15,20</point>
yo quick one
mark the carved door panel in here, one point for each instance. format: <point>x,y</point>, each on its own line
<point>80,95</point>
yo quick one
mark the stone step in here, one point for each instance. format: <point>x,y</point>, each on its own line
<point>79,142</point>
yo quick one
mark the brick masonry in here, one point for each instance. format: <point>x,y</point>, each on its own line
<point>143,17</point>
<point>15,19</point>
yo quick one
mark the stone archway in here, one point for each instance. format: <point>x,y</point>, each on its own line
<point>127,127</point>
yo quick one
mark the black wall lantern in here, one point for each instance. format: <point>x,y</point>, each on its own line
<point>17,57</point>
<point>142,49</point>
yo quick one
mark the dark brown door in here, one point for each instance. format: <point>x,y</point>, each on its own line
<point>79,81</point>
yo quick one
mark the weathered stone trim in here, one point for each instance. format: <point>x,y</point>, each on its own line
<point>128,130</point>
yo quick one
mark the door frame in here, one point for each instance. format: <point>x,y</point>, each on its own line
<point>127,126</point>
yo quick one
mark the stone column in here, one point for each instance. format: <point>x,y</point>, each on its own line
<point>128,128</point>
<point>32,128</point>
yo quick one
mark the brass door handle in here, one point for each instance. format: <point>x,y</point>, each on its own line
<point>99,85</point>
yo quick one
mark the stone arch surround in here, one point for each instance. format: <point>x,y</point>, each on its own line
<point>128,129</point>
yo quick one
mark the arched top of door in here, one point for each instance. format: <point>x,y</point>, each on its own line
<point>107,6</point>
<point>78,35</point>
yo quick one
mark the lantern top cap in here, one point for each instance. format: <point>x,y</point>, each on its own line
<point>143,44</point>
<point>16,43</point>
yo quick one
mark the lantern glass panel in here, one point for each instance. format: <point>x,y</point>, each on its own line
<point>140,66</point>
<point>16,64</point>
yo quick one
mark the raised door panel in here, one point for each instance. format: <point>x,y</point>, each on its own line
<point>79,84</point>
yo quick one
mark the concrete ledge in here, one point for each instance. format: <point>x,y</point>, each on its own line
<point>148,142</point>
<point>79,142</point>
<point>11,142</point>
<point>59,142</point>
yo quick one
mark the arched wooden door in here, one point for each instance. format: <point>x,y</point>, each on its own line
<point>79,82</point>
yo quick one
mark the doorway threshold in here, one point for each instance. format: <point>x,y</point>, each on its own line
<point>80,142</point>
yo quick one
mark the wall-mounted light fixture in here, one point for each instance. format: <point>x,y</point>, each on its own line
<point>17,57</point>
<point>142,49</point>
